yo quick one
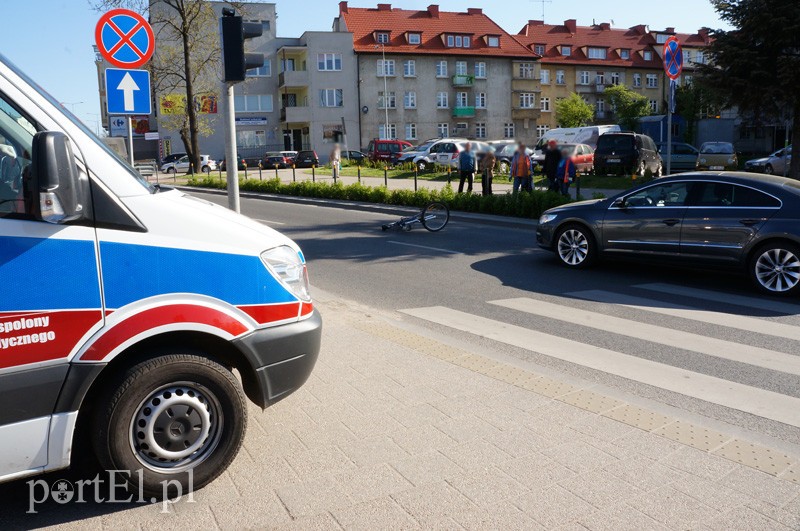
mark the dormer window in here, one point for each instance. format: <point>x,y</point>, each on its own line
<point>566,51</point>
<point>493,41</point>
<point>459,41</point>
<point>539,49</point>
<point>414,38</point>
<point>596,53</point>
<point>661,38</point>
<point>648,55</point>
<point>382,37</point>
<point>625,54</point>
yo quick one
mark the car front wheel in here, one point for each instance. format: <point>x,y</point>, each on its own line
<point>775,269</point>
<point>769,169</point>
<point>575,247</point>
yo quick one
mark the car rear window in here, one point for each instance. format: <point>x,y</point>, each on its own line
<point>619,143</point>
<point>725,194</point>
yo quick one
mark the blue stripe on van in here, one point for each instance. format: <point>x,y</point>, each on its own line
<point>134,272</point>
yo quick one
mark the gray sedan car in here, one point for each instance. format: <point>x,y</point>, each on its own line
<point>727,219</point>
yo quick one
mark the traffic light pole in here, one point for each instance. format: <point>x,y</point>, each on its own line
<point>231,155</point>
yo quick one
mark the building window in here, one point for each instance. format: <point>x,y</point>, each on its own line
<point>637,80</point>
<point>263,71</point>
<point>687,80</point>
<point>385,68</point>
<point>414,38</point>
<point>527,100</point>
<point>391,134</point>
<point>661,38</point>
<point>654,106</point>
<point>625,53</point>
<point>480,70</point>
<point>597,53</point>
<point>461,68</point>
<point>443,130</point>
<point>509,131</point>
<point>389,102</point>
<point>600,78</point>
<point>544,75</point>
<point>493,42</point>
<point>652,80</point>
<point>583,77</point>
<point>251,139</point>
<point>329,62</point>
<point>410,68</point>
<point>287,65</point>
<point>545,104</point>
<point>687,57</point>
<point>331,98</point>
<point>441,69</point>
<point>561,78</point>
<point>648,55</point>
<point>411,131</point>
<point>601,105</point>
<point>539,49</point>
<point>480,130</point>
<point>467,42</point>
<point>462,99</point>
<point>541,130</point>
<point>480,100</point>
<point>383,38</point>
<point>253,103</point>
<point>410,100</point>
<point>526,70</point>
<point>458,41</point>
<point>441,100</point>
<point>615,78</point>
<point>700,58</point>
<point>451,41</point>
<point>566,51</point>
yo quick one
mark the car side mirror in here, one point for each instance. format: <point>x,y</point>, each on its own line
<point>619,203</point>
<point>58,191</point>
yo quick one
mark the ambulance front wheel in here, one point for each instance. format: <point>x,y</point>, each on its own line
<point>177,418</point>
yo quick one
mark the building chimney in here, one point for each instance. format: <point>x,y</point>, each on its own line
<point>433,10</point>
<point>571,25</point>
<point>474,11</point>
<point>669,30</point>
<point>605,26</point>
<point>704,33</point>
<point>641,29</point>
<point>384,7</point>
<point>342,7</point>
<point>536,23</point>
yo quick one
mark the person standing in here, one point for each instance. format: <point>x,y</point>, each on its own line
<point>552,159</point>
<point>566,172</point>
<point>467,164</point>
<point>522,170</point>
<point>336,161</point>
<point>487,172</point>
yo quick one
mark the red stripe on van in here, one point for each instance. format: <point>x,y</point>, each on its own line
<point>269,313</point>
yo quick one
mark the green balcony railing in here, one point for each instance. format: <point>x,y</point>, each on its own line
<point>462,80</point>
<point>463,112</point>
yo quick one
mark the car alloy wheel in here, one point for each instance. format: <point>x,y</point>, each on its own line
<point>573,247</point>
<point>769,170</point>
<point>777,270</point>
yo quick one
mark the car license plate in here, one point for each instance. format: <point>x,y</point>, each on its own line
<point>614,160</point>
<point>715,168</point>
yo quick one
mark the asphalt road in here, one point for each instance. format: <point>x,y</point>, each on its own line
<point>748,358</point>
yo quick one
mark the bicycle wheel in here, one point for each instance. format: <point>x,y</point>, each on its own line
<point>435,216</point>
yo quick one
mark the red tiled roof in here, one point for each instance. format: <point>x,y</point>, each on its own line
<point>636,39</point>
<point>432,24</point>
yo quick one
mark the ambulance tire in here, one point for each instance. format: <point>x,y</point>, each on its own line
<point>188,381</point>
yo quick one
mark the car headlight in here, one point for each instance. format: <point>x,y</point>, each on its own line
<point>547,218</point>
<point>286,265</point>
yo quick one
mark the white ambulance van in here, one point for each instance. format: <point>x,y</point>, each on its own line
<point>125,309</point>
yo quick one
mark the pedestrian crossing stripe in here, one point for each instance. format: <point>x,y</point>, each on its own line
<point>728,298</point>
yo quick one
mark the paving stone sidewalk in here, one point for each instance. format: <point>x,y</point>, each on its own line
<point>384,436</point>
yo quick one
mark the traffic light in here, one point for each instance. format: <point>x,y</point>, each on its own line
<point>234,59</point>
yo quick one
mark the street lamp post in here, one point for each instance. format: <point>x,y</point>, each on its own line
<point>72,105</point>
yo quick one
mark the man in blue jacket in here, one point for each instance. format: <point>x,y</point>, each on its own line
<point>467,164</point>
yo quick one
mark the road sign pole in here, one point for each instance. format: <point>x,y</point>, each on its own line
<point>130,138</point>
<point>231,155</point>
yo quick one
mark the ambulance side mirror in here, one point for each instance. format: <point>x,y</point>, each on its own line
<point>56,186</point>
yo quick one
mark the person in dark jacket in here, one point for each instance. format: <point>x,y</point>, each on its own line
<point>467,164</point>
<point>552,159</point>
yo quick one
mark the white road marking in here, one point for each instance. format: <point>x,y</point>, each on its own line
<point>270,222</point>
<point>728,298</point>
<point>749,324</point>
<point>760,402</point>
<point>718,348</point>
<point>423,247</point>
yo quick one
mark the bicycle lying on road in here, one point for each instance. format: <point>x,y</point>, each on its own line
<point>433,217</point>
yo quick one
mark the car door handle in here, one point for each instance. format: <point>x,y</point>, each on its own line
<point>749,222</point>
<point>671,222</point>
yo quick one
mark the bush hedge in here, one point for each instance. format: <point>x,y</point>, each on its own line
<point>523,204</point>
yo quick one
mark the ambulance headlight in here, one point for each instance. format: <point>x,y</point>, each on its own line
<point>286,265</point>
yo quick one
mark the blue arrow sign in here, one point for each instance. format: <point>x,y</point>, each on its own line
<point>128,91</point>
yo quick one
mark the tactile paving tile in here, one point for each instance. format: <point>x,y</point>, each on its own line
<point>792,474</point>
<point>551,388</point>
<point>476,363</point>
<point>638,417</point>
<point>694,436</point>
<point>508,373</point>
<point>755,456</point>
<point>590,401</point>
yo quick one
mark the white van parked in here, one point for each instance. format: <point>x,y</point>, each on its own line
<point>573,135</point>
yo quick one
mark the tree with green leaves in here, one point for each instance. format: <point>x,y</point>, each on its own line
<point>756,66</point>
<point>693,102</point>
<point>628,105</point>
<point>573,111</point>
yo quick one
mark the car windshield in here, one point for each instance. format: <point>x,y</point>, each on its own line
<point>617,143</point>
<point>717,148</point>
<point>421,147</point>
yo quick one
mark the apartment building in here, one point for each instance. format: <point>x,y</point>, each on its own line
<point>430,73</point>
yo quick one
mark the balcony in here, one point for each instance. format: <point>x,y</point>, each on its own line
<point>525,113</point>
<point>296,114</point>
<point>463,112</point>
<point>525,84</point>
<point>462,80</point>
<point>585,89</point>
<point>293,78</point>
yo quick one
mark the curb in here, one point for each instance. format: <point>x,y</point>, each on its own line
<point>465,217</point>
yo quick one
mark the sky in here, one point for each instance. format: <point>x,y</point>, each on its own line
<point>52,40</point>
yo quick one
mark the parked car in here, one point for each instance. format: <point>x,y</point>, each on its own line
<point>717,156</point>
<point>388,151</point>
<point>241,167</point>
<point>776,164</point>
<point>172,158</point>
<point>289,154</point>
<point>354,156</point>
<point>504,152</point>
<point>735,219</point>
<point>582,156</point>
<point>447,154</point>
<point>424,155</point>
<point>626,153</point>
<point>306,159</point>
<point>684,156</point>
<point>183,165</point>
<point>273,159</point>
<point>588,135</point>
